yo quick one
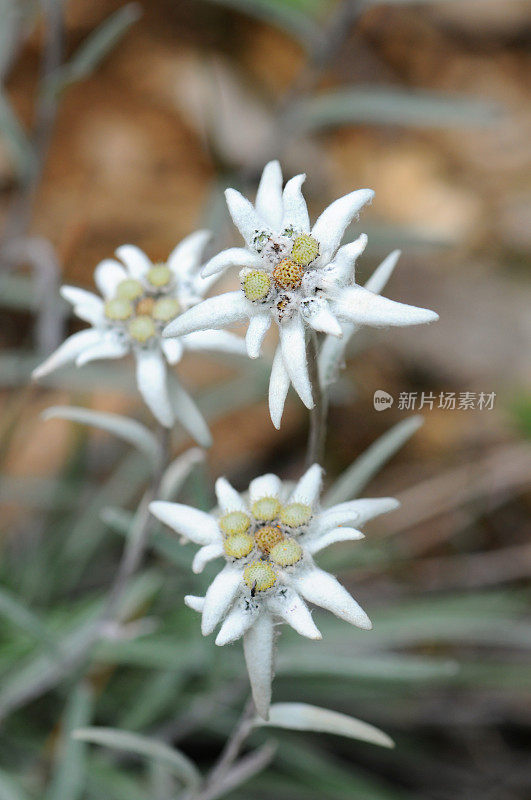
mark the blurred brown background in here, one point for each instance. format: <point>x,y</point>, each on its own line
<point>193,98</point>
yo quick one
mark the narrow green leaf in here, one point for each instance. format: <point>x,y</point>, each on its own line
<point>289,18</point>
<point>98,45</point>
<point>381,106</point>
<point>173,759</point>
<point>351,482</point>
<point>303,717</point>
<point>178,471</point>
<point>16,139</point>
<point>18,614</point>
<point>125,428</point>
<point>68,777</point>
<point>9,788</point>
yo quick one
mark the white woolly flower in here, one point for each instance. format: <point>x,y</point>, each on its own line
<point>268,540</point>
<point>138,299</point>
<point>295,275</point>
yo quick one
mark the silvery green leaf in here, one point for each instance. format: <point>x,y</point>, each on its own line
<point>18,614</point>
<point>16,139</point>
<point>68,777</point>
<point>179,764</point>
<point>41,673</point>
<point>304,717</point>
<point>125,428</point>
<point>285,16</point>
<point>381,106</point>
<point>9,788</point>
<point>177,472</point>
<point>97,45</point>
<point>351,482</point>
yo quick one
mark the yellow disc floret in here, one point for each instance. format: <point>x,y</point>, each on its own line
<point>259,576</point>
<point>287,274</point>
<point>239,545</point>
<point>265,509</point>
<point>145,306</point>
<point>166,309</point>
<point>130,289</point>
<point>256,285</point>
<point>142,329</point>
<point>118,310</point>
<point>305,249</point>
<point>286,553</point>
<point>267,537</point>
<point>159,276</point>
<point>295,514</point>
<point>234,522</point>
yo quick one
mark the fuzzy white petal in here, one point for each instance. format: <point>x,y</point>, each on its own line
<point>354,511</point>
<point>308,487</point>
<point>219,597</point>
<point>268,203</point>
<point>134,259</point>
<point>186,257</point>
<point>295,209</point>
<point>233,257</point>
<point>324,590</point>
<point>195,525</point>
<point>331,225</point>
<point>67,352</point>
<point>107,275</point>
<point>244,215</point>
<point>279,384</point>
<point>258,651</point>
<point>188,414</point>
<point>258,327</point>
<point>342,534</point>
<point>152,382</point>
<point>237,622</point>
<point>356,304</point>
<point>215,312</point>
<point>228,498</point>
<point>173,350</point>
<point>205,554</point>
<point>194,602</point>
<point>382,273</point>
<point>87,306</point>
<point>345,259</point>
<point>293,610</point>
<point>317,313</point>
<point>220,341</point>
<point>293,343</point>
<point>108,346</point>
<point>265,486</point>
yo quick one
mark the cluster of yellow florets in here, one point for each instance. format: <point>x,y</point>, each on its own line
<point>144,307</point>
<point>288,271</point>
<point>266,533</point>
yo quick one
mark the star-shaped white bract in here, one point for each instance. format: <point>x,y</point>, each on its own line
<point>138,299</point>
<point>296,275</point>
<point>268,539</point>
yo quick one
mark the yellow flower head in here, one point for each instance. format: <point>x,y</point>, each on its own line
<point>305,249</point>
<point>259,576</point>
<point>287,274</point>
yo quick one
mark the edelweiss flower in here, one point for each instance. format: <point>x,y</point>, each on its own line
<point>139,298</point>
<point>268,542</point>
<point>295,275</point>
